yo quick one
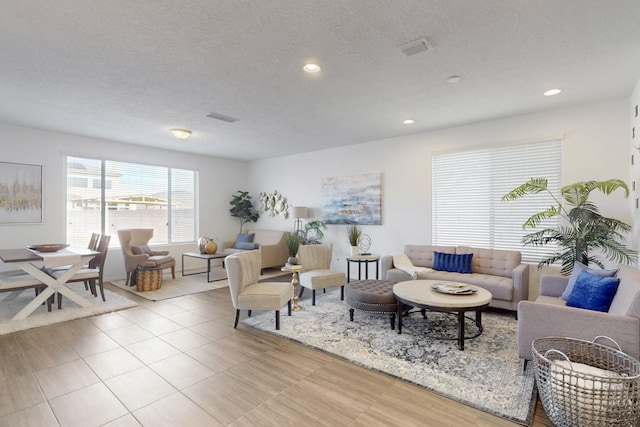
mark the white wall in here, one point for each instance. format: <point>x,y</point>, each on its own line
<point>634,150</point>
<point>595,147</point>
<point>219,179</point>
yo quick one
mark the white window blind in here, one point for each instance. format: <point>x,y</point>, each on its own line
<point>467,188</point>
<point>106,196</point>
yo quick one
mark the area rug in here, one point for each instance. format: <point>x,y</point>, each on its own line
<point>487,375</point>
<point>190,284</point>
<point>12,302</point>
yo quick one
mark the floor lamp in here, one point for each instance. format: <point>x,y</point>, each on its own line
<point>299,212</point>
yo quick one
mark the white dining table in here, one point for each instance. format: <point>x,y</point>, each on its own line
<point>31,262</point>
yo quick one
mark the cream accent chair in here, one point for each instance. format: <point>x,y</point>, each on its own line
<point>243,271</point>
<point>317,273</point>
<point>135,251</point>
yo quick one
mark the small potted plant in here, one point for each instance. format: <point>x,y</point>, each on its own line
<point>354,232</point>
<point>292,244</point>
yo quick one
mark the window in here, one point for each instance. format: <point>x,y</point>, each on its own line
<point>133,196</point>
<point>467,188</point>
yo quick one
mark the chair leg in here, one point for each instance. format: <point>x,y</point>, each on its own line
<point>173,272</point>
<point>301,292</point>
<point>341,293</point>
<point>392,318</point>
<point>277,320</point>
<point>249,313</point>
<point>59,300</point>
<point>126,282</point>
<point>351,314</point>
<point>289,307</point>
<point>313,297</point>
<point>101,289</point>
<point>235,325</point>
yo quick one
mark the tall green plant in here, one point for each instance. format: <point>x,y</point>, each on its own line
<point>584,232</point>
<point>242,207</point>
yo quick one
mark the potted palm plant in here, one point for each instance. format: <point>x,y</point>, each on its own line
<point>353,233</point>
<point>312,233</point>
<point>584,231</point>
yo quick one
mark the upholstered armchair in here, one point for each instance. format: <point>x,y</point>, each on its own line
<point>317,273</point>
<point>136,252</point>
<point>243,271</point>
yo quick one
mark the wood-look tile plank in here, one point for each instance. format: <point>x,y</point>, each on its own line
<point>19,393</point>
<point>34,416</point>
<point>175,410</point>
<point>91,406</point>
<point>139,387</point>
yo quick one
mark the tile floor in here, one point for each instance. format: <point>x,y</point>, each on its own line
<point>179,362</point>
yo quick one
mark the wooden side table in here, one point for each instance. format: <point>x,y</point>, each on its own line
<point>362,259</point>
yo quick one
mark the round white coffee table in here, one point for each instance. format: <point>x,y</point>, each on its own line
<point>418,293</point>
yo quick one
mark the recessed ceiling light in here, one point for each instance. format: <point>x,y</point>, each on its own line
<point>552,92</point>
<point>408,122</point>
<point>453,79</point>
<point>311,68</point>
<point>180,133</point>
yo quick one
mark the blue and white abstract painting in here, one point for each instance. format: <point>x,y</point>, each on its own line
<point>352,199</point>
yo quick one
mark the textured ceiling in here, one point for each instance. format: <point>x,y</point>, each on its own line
<point>130,70</point>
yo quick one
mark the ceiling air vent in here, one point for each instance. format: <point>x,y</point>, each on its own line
<point>221,117</point>
<point>414,47</point>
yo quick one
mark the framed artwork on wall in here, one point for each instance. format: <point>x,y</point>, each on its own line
<point>352,199</point>
<point>20,193</point>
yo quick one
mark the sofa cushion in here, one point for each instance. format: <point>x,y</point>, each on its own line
<point>496,262</point>
<point>577,268</point>
<point>501,288</point>
<point>247,246</point>
<point>422,255</point>
<point>593,292</point>
<point>452,262</point>
<point>626,302</point>
<point>244,238</point>
<point>142,249</point>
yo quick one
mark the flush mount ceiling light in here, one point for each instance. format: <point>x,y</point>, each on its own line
<point>180,133</point>
<point>453,79</point>
<point>552,92</point>
<point>311,68</point>
<point>408,122</point>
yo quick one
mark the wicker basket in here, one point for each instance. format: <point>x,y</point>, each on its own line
<point>604,393</point>
<point>148,279</point>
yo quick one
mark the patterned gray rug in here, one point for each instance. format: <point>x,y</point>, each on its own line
<point>487,375</point>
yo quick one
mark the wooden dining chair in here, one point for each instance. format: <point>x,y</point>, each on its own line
<point>93,272</point>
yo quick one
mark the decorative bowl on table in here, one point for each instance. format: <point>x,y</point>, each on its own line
<point>51,247</point>
<point>453,288</point>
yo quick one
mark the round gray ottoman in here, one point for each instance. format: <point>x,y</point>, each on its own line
<point>375,296</point>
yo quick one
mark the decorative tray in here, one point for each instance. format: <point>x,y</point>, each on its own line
<point>53,247</point>
<point>453,288</point>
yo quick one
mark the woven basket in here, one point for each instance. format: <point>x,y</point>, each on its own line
<point>148,279</point>
<point>573,396</point>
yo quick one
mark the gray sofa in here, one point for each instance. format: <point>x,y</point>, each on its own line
<point>500,272</point>
<point>548,315</point>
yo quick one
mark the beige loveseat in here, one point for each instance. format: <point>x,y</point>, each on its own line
<point>550,316</point>
<point>500,272</point>
<point>270,243</point>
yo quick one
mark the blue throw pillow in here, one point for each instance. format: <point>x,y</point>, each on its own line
<point>243,238</point>
<point>455,263</point>
<point>248,246</point>
<point>593,292</point>
<point>577,268</point>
